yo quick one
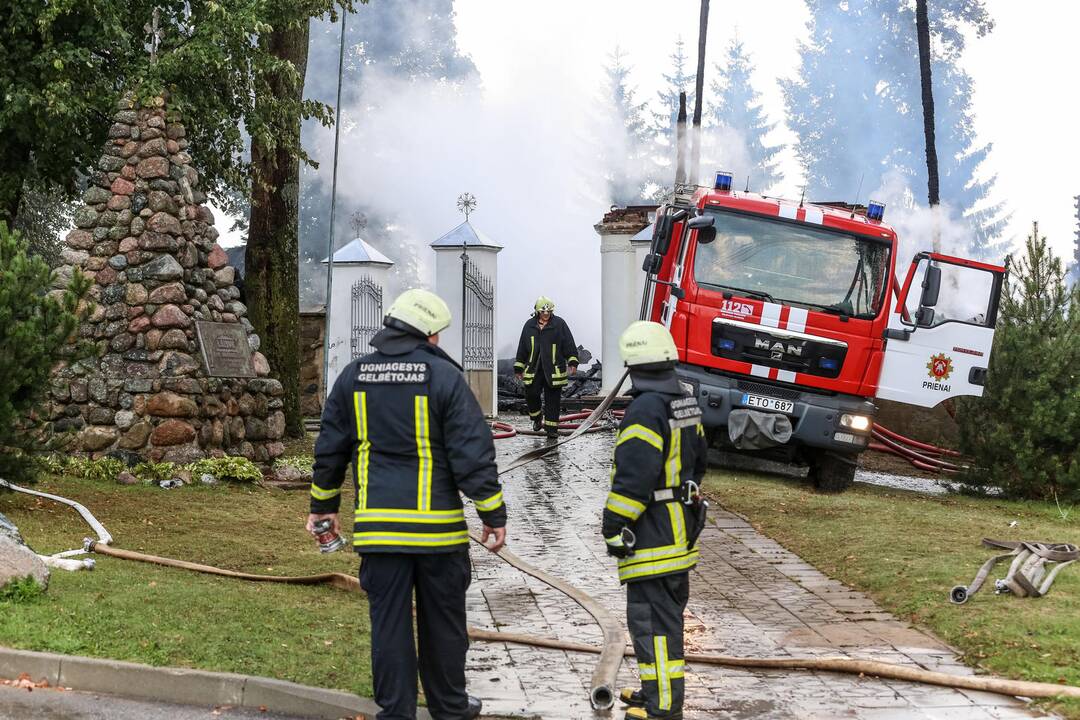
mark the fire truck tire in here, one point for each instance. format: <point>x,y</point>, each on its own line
<point>832,472</point>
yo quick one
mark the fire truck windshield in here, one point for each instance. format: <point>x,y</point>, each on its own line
<point>795,264</point>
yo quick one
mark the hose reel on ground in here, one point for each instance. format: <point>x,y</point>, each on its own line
<point>1030,573</point>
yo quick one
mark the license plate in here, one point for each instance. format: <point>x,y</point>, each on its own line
<point>768,403</point>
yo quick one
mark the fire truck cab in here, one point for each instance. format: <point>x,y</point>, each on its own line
<point>789,322</point>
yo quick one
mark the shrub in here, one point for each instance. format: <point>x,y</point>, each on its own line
<point>35,328</point>
<point>1025,430</point>
<point>226,468</point>
<point>100,470</point>
<point>154,472</point>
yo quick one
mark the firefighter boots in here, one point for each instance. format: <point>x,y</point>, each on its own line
<point>630,696</point>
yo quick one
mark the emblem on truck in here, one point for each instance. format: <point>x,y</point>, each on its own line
<point>939,367</point>
<point>777,349</point>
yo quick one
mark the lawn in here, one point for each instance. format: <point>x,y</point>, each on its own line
<point>162,616</point>
<point>907,550</point>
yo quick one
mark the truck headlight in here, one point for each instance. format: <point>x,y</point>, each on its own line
<point>855,422</point>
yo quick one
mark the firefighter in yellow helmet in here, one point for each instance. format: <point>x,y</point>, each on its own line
<point>546,358</point>
<point>654,514</point>
<point>406,420</point>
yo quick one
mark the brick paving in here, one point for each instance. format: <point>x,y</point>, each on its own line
<point>749,596</point>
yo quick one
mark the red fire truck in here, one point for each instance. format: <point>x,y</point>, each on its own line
<point>790,321</point>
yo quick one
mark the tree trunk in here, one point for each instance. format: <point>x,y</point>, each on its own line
<point>271,280</point>
<point>922,24</point>
<point>699,87</point>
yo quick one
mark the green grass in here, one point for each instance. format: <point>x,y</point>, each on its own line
<point>907,550</point>
<point>162,616</point>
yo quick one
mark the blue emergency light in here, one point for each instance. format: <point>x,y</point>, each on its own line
<point>875,210</point>
<point>827,363</point>
<point>726,344</point>
<point>723,181</point>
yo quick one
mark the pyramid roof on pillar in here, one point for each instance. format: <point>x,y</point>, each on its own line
<point>466,235</point>
<point>359,251</point>
<point>644,235</point>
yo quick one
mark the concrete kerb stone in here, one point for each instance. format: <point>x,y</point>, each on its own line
<point>184,686</point>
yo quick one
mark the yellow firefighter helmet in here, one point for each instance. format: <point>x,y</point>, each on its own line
<point>646,343</point>
<point>420,310</point>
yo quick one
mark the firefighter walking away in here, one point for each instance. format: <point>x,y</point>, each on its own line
<point>412,429</point>
<point>546,358</point>
<point>654,515</point>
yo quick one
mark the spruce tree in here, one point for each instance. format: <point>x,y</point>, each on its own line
<point>738,106</point>
<point>1025,430</point>
<point>681,79</point>
<point>856,107</point>
<point>1076,246</point>
<point>629,166</point>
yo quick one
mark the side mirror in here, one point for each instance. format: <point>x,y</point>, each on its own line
<point>705,226</point>
<point>925,317</point>
<point>931,286</point>
<point>661,238</point>
<point>652,263</point>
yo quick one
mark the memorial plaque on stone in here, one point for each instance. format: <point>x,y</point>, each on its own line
<point>225,349</point>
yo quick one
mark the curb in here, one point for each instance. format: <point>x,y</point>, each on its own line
<point>185,687</point>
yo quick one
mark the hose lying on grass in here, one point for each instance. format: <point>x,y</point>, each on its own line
<point>891,671</point>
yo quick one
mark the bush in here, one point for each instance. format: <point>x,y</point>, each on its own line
<point>35,328</point>
<point>226,468</point>
<point>1025,430</point>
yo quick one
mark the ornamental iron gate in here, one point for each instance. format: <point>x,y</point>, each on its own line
<point>367,315</point>
<point>478,323</point>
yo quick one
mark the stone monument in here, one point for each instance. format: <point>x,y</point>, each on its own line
<point>178,375</point>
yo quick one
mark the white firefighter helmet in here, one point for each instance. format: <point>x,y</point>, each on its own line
<point>421,310</point>
<point>544,303</point>
<point>646,343</point>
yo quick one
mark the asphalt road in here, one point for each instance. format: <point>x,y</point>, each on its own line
<point>49,704</point>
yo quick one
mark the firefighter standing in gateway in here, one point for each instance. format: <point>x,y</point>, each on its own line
<point>546,358</point>
<point>409,424</point>
<point>654,514</point>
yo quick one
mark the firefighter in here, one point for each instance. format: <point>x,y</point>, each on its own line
<point>654,514</point>
<point>546,358</point>
<point>412,429</point>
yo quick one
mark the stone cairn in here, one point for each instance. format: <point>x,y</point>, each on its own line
<point>147,241</point>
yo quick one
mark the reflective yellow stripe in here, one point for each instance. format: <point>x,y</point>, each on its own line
<point>519,364</point>
<point>663,680</point>
<point>492,503</point>
<point>423,453</point>
<point>657,553</point>
<point>640,432</point>
<point>363,452</point>
<point>676,669</point>
<point>571,359</point>
<point>323,494</point>
<point>532,348</point>
<point>553,361</point>
<point>626,506</point>
<point>411,516</point>
<point>674,459</point>
<point>411,539</point>
<point>701,430</point>
<point>660,567</point>
<point>646,671</point>
<point>614,540</point>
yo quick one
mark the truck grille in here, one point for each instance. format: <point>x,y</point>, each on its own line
<point>769,390</point>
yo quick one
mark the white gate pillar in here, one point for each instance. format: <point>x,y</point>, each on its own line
<point>450,286</point>
<point>352,263</point>
<point>620,284</point>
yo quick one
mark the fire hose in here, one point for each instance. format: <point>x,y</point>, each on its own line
<point>614,648</point>
<point>890,671</point>
<point>922,455</point>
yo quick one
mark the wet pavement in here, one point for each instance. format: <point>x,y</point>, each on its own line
<point>749,596</point>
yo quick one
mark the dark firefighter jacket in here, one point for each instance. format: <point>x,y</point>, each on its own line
<point>548,351</point>
<point>661,444</point>
<point>406,419</point>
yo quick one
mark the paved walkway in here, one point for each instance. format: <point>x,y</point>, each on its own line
<point>749,596</point>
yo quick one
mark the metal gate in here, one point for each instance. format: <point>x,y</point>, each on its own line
<point>367,315</point>
<point>478,324</point>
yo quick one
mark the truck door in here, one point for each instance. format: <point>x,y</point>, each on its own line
<point>941,330</point>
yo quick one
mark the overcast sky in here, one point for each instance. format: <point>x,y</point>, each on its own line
<point>1024,71</point>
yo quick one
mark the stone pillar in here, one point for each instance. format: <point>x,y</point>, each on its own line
<point>449,285</point>
<point>620,288</point>
<point>357,267</point>
<point>641,242</point>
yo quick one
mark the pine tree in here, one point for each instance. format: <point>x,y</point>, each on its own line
<point>1076,246</point>
<point>681,79</point>
<point>739,107</point>
<point>856,108</point>
<point>629,166</point>
<point>36,325</point>
<point>1025,430</point>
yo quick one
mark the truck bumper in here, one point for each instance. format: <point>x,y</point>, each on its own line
<point>815,418</point>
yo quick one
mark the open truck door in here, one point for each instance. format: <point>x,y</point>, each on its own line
<point>941,330</point>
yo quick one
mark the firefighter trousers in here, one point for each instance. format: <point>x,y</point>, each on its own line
<point>552,397</point>
<point>440,581</point>
<point>654,617</point>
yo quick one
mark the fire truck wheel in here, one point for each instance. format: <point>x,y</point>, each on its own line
<point>832,472</point>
